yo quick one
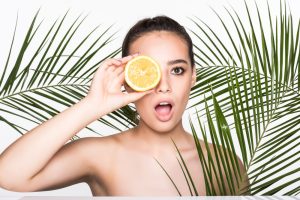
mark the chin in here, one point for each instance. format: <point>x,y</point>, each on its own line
<point>162,127</point>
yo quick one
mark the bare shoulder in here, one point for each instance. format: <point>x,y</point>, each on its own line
<point>96,146</point>
<point>221,151</point>
<point>220,155</point>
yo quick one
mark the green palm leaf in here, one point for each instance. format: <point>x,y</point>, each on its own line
<point>251,89</point>
<point>56,74</point>
<point>255,83</point>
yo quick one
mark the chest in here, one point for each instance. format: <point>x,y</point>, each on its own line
<point>134,174</point>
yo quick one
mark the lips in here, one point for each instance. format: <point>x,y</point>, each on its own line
<point>164,103</point>
<point>164,109</point>
<point>165,100</point>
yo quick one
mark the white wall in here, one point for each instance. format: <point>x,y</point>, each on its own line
<point>123,14</point>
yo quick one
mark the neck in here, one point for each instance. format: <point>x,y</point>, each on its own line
<point>160,141</point>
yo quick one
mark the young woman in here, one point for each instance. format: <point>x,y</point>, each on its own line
<point>121,164</point>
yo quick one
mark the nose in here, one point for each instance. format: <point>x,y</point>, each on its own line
<point>164,84</point>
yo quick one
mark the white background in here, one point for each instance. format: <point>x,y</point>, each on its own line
<point>121,13</point>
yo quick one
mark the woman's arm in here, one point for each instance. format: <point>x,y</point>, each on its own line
<point>26,157</point>
<point>37,161</point>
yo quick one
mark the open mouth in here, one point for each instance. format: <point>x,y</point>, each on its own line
<point>163,111</point>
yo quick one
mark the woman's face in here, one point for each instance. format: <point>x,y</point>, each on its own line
<point>178,77</point>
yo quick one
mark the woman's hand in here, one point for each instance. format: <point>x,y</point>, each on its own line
<point>105,91</point>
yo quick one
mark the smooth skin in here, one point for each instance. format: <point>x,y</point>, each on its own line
<point>120,164</point>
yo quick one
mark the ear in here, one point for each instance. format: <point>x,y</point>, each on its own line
<point>194,77</point>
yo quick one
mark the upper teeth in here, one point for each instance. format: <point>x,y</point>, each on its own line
<point>163,103</point>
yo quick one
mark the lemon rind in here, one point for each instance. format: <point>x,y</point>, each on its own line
<point>133,86</point>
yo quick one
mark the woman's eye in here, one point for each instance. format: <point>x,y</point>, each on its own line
<point>178,70</point>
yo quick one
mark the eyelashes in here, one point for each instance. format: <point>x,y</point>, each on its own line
<point>178,70</point>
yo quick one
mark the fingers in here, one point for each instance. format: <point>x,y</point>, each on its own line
<point>121,77</point>
<point>111,64</point>
<point>112,69</point>
<point>128,58</point>
<point>118,71</point>
<point>117,65</point>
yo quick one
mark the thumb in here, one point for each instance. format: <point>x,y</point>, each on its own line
<point>134,96</point>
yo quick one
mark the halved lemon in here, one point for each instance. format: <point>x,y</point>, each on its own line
<point>142,73</point>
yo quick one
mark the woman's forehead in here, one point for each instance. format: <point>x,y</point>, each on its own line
<point>161,36</point>
<point>160,42</point>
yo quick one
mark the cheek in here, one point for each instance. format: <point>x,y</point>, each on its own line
<point>182,86</point>
<point>142,104</point>
<point>183,89</point>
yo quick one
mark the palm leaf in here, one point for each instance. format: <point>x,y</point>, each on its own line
<point>168,177</point>
<point>56,74</point>
<point>254,80</point>
<point>186,171</point>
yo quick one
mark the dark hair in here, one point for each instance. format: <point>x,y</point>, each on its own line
<point>158,23</point>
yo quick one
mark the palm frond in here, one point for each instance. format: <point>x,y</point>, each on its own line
<point>56,74</point>
<point>186,171</point>
<point>170,178</point>
<point>255,82</point>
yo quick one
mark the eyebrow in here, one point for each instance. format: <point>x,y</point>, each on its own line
<point>173,62</point>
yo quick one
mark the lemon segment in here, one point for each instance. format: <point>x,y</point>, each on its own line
<point>142,73</point>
